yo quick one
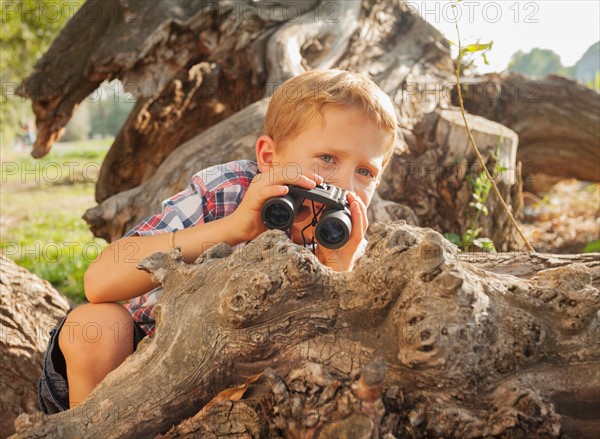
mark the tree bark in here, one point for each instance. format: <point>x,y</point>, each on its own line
<point>557,120</point>
<point>193,64</point>
<point>469,352</point>
<point>434,177</point>
<point>29,309</point>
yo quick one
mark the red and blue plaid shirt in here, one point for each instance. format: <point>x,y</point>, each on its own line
<point>213,193</point>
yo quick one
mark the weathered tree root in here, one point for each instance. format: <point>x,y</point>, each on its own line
<point>470,353</point>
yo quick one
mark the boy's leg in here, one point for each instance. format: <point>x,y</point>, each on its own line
<point>95,339</point>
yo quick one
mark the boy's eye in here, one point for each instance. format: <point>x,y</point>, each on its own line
<point>365,172</point>
<point>326,158</point>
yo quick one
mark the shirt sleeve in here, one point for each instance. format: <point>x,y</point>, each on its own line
<point>194,205</point>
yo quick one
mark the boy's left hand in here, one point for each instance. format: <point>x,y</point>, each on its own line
<point>344,258</point>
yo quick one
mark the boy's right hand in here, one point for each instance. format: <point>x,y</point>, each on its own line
<point>247,217</point>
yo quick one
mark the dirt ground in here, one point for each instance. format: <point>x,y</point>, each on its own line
<point>565,220</point>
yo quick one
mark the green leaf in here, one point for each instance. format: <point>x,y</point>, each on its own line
<point>479,47</point>
<point>592,247</point>
<point>453,238</point>
<point>485,244</point>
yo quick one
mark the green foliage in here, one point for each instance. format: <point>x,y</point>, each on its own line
<point>542,62</point>
<point>79,127</point>
<point>108,107</point>
<point>56,246</point>
<point>537,62</point>
<point>592,247</point>
<point>470,53</point>
<point>587,69</point>
<point>595,84</point>
<point>481,190</point>
<point>568,72</point>
<point>101,114</point>
<point>28,28</point>
<point>42,228</point>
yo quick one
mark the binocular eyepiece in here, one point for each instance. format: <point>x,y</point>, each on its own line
<point>333,227</point>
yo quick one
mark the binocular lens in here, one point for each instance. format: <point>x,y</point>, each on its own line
<point>332,233</point>
<point>334,228</point>
<point>277,215</point>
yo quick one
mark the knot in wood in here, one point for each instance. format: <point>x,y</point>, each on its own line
<point>250,294</point>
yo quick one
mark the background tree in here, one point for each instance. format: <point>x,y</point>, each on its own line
<point>537,62</point>
<point>587,69</point>
<point>28,28</point>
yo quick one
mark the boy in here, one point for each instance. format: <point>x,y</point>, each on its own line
<point>331,126</point>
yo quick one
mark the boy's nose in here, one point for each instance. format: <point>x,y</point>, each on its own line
<point>345,182</point>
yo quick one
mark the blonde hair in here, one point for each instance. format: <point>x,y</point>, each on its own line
<point>299,100</point>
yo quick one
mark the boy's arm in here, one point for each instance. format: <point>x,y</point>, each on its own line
<point>113,276</point>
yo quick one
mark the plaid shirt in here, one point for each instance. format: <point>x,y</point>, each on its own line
<point>213,194</point>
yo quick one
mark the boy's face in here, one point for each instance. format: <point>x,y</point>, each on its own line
<point>347,150</point>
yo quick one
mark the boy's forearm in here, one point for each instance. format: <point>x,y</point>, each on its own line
<point>113,276</point>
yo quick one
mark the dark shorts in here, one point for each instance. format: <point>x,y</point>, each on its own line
<point>53,389</point>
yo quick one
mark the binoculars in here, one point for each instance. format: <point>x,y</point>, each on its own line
<point>333,227</point>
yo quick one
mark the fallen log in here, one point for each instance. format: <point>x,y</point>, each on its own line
<point>469,352</point>
<point>438,175</point>
<point>557,120</point>
<point>29,309</point>
<point>191,65</point>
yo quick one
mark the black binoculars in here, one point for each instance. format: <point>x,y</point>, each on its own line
<point>333,227</point>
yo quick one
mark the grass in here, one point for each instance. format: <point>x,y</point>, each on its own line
<point>41,204</point>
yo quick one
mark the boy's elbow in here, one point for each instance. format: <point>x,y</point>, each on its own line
<point>89,286</point>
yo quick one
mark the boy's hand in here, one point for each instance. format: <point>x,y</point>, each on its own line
<point>247,217</point>
<point>344,258</point>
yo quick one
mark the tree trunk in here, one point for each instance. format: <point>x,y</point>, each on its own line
<point>30,308</point>
<point>193,64</point>
<point>469,352</point>
<point>557,120</point>
<point>435,177</point>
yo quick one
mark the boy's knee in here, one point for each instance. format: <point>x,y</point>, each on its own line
<point>91,325</point>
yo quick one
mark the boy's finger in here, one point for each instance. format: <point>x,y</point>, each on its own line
<point>303,180</point>
<point>275,191</point>
<point>315,177</point>
<point>363,209</point>
<point>357,222</point>
<point>365,218</point>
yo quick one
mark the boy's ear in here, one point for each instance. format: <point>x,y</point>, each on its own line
<point>265,149</point>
